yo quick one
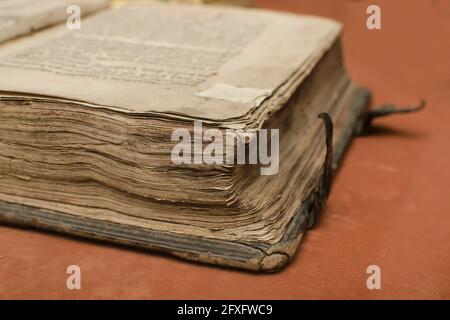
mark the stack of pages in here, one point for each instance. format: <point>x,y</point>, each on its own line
<point>191,130</point>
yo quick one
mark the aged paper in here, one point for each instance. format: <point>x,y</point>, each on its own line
<point>20,17</point>
<point>160,58</point>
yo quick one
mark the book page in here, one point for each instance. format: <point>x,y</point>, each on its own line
<point>20,17</point>
<point>205,62</point>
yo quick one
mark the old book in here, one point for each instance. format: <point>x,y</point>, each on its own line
<point>185,129</point>
<point>213,2</point>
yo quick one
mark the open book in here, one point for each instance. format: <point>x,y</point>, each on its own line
<point>187,129</point>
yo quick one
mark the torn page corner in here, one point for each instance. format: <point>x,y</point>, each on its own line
<point>232,93</point>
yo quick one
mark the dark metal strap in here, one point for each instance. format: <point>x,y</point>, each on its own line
<point>383,111</point>
<point>328,170</point>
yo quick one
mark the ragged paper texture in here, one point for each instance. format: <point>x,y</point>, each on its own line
<point>20,17</point>
<point>226,92</point>
<point>154,58</point>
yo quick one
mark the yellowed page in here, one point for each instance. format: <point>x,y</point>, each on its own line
<point>207,62</point>
<point>20,17</point>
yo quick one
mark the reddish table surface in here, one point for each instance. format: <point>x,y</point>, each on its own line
<point>389,206</point>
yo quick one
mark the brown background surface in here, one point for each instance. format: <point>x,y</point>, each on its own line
<point>390,203</point>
